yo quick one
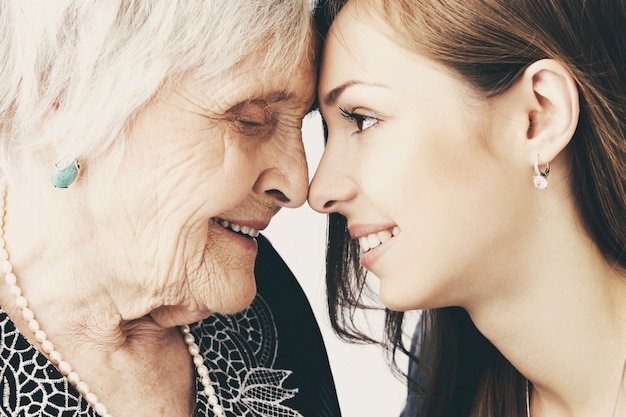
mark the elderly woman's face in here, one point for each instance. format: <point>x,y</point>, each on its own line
<point>207,167</point>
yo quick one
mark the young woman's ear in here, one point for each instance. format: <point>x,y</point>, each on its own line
<point>552,108</point>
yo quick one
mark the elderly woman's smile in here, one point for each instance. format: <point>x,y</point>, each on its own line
<point>246,231</point>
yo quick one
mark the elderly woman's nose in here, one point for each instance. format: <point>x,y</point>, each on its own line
<point>285,178</point>
<point>331,188</point>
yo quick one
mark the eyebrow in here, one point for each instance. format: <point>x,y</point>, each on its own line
<point>279,96</point>
<point>271,98</point>
<point>334,94</point>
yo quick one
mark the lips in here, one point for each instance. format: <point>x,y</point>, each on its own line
<point>373,240</point>
<point>247,231</point>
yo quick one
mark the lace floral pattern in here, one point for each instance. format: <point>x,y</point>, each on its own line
<point>239,349</point>
<point>242,349</point>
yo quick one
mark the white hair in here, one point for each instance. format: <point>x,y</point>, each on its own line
<point>75,72</point>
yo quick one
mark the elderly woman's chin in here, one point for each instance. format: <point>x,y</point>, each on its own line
<point>227,291</point>
<point>231,287</point>
<point>227,283</point>
<point>219,280</point>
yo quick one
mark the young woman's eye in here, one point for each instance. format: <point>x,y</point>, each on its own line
<point>362,122</point>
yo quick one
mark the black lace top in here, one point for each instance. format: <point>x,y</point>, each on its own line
<point>268,360</point>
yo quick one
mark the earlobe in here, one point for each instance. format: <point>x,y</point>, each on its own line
<point>553,116</point>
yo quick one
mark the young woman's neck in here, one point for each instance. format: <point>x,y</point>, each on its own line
<point>563,327</point>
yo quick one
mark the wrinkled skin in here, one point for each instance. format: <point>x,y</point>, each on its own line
<point>145,237</point>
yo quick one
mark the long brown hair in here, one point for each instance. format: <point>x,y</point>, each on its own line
<point>489,43</point>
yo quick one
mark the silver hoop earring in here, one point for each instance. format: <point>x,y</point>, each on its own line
<point>541,178</point>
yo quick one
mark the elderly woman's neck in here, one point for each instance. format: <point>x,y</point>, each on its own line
<point>62,272</point>
<point>77,315</point>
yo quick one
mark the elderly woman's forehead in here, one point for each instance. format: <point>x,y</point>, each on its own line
<point>220,94</point>
<point>251,80</point>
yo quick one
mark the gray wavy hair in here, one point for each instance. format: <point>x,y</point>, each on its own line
<point>85,67</point>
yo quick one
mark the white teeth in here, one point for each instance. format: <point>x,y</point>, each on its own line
<point>384,236</point>
<point>363,242</point>
<point>373,240</point>
<point>245,230</point>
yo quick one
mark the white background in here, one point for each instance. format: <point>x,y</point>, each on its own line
<point>365,384</point>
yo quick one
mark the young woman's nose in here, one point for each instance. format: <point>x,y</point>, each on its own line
<point>332,188</point>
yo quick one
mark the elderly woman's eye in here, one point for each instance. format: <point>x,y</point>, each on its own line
<point>252,118</point>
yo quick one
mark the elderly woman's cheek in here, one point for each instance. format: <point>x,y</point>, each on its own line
<point>213,171</point>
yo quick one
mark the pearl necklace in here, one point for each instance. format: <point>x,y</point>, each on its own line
<point>62,365</point>
<point>619,390</point>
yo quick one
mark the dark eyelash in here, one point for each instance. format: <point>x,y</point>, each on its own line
<point>346,114</point>
<point>356,118</point>
<point>353,117</point>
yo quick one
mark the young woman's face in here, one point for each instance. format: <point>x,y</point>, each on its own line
<point>410,162</point>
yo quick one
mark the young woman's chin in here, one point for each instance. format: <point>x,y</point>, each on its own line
<point>398,296</point>
<point>396,299</point>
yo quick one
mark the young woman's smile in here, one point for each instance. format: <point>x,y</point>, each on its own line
<point>374,241</point>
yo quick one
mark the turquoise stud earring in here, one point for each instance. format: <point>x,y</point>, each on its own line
<point>64,173</point>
